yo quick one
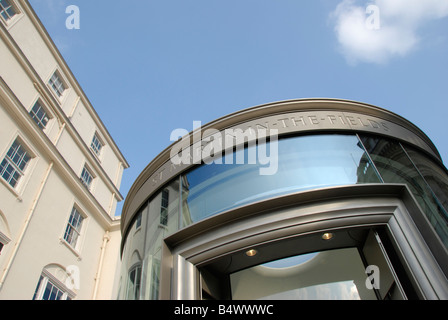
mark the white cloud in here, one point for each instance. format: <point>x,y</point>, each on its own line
<point>397,35</point>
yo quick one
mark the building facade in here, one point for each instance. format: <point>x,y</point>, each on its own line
<point>60,172</point>
<point>302,199</point>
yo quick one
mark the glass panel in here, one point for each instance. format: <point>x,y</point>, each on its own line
<point>395,167</point>
<point>57,84</point>
<point>5,169</point>
<point>39,115</point>
<point>13,165</point>
<point>435,176</point>
<point>86,177</point>
<point>96,145</point>
<point>304,163</point>
<point>52,292</point>
<point>334,274</point>
<point>6,10</point>
<point>158,218</point>
<point>73,228</point>
<point>133,292</point>
<point>18,155</point>
<point>37,288</point>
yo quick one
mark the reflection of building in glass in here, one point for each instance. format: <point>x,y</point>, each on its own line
<point>355,188</point>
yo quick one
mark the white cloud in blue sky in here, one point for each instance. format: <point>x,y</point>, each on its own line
<point>398,33</point>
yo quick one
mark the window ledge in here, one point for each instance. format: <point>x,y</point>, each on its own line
<point>13,190</point>
<point>73,250</point>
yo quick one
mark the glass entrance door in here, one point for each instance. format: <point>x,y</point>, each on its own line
<point>360,272</point>
<point>328,275</point>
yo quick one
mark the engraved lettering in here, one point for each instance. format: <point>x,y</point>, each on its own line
<point>332,118</point>
<point>351,120</point>
<point>161,174</point>
<point>285,125</point>
<point>373,123</point>
<point>364,124</point>
<point>260,126</point>
<point>313,119</point>
<point>301,120</point>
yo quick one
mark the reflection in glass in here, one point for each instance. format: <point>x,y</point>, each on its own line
<point>157,219</point>
<point>435,176</point>
<point>133,289</point>
<point>394,165</point>
<point>304,163</point>
<point>290,261</point>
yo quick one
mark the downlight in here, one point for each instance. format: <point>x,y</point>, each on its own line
<point>251,253</point>
<point>327,236</point>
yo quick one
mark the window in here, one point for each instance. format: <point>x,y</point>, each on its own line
<point>73,229</point>
<point>329,160</point>
<point>4,240</point>
<point>86,177</point>
<point>39,115</point>
<point>133,290</point>
<point>164,207</point>
<point>14,163</point>
<point>96,145</point>
<point>138,221</point>
<point>50,289</point>
<point>57,84</point>
<point>7,11</point>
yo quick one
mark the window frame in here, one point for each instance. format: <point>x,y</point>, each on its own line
<point>55,87</point>
<point>71,229</point>
<point>135,289</point>
<point>164,204</point>
<point>45,279</point>
<point>4,10</point>
<point>47,115</point>
<point>94,146</point>
<point>138,221</point>
<point>4,240</point>
<point>86,170</point>
<point>8,162</point>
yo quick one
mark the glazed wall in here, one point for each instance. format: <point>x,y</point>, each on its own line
<point>304,162</point>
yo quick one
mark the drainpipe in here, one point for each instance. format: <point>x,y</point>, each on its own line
<point>106,239</point>
<point>25,226</point>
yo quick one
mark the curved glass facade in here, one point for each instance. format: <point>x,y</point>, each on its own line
<point>304,162</point>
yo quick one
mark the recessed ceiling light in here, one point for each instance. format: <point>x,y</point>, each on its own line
<point>251,252</point>
<point>327,236</point>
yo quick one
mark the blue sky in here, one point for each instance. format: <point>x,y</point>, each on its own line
<point>151,66</point>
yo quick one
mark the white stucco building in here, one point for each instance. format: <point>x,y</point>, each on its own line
<point>60,173</point>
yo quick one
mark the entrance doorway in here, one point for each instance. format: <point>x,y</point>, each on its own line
<point>374,240</point>
<point>357,266</point>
